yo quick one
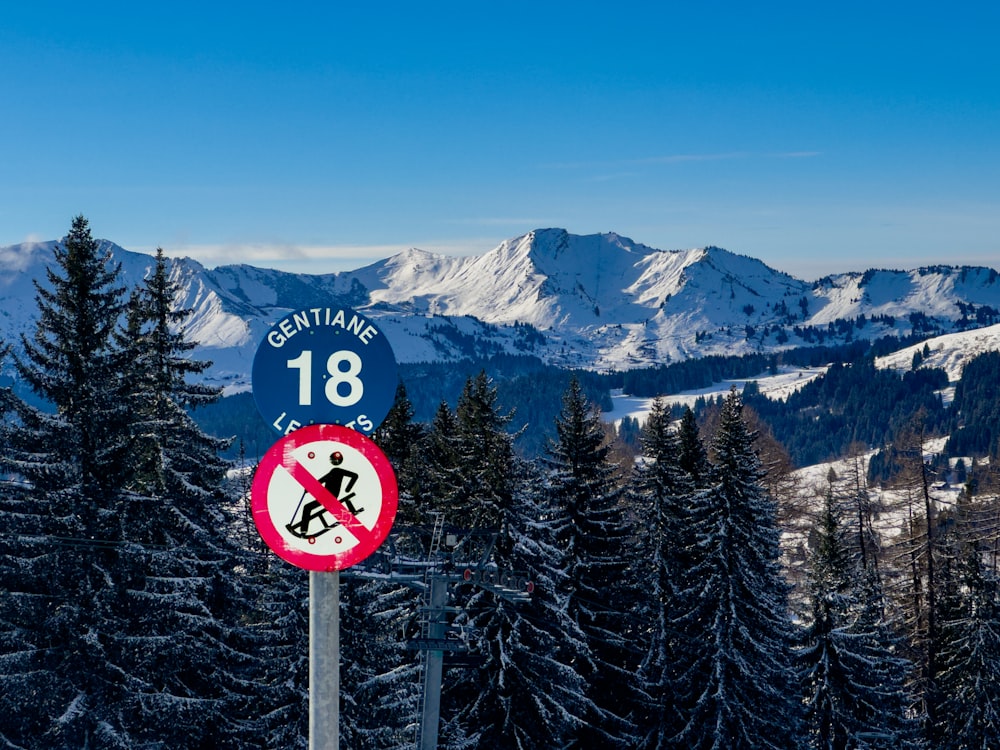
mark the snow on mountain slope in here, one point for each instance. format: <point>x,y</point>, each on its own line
<point>597,301</point>
<point>546,278</point>
<point>628,303</point>
<point>932,290</point>
<point>949,352</point>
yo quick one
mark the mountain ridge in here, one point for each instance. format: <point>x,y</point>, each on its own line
<point>600,301</point>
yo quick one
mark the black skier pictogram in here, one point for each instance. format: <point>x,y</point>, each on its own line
<point>314,510</point>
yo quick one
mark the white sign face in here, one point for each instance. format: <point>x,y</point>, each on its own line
<point>324,497</point>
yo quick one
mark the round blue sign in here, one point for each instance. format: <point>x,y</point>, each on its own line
<point>324,365</point>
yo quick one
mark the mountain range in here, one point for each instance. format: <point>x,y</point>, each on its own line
<point>601,302</point>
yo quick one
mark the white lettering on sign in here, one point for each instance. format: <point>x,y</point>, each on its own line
<point>337,377</point>
<point>286,428</point>
<point>283,424</point>
<point>320,317</point>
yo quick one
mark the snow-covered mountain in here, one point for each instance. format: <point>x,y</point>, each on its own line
<point>597,301</point>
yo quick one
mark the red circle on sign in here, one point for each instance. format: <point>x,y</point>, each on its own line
<point>280,456</point>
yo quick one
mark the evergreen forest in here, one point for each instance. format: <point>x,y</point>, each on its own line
<point>685,591</point>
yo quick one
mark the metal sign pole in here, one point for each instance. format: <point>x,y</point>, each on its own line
<point>324,660</point>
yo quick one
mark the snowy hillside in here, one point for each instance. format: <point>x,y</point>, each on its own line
<point>597,301</point>
<point>949,352</point>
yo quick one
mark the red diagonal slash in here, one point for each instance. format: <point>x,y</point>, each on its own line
<point>266,495</point>
<point>312,485</point>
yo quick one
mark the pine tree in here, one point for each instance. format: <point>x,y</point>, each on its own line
<point>273,627</point>
<point>534,692</point>
<point>659,496</point>
<point>828,710</point>
<point>970,634</point>
<point>127,631</point>
<point>477,473</point>
<point>437,474</point>
<point>179,566</point>
<point>693,458</point>
<point>854,681</point>
<point>178,455</point>
<point>380,685</point>
<point>73,364</point>
<point>741,680</point>
<point>400,439</point>
<point>62,530</point>
<point>584,486</point>
<point>486,455</point>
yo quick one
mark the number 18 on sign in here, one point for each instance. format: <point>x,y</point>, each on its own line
<point>324,365</point>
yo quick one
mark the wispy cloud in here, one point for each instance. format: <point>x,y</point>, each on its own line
<point>19,257</point>
<point>498,221</point>
<point>285,255</point>
<point>312,258</point>
<point>682,159</point>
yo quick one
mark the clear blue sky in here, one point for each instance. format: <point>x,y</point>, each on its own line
<point>818,137</point>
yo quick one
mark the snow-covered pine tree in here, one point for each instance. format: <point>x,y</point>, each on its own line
<point>380,678</point>
<point>828,691</point>
<point>535,694</point>
<point>183,603</point>
<point>853,679</point>
<point>741,682</point>
<point>659,495</point>
<point>486,456</point>
<point>970,634</point>
<point>62,532</point>
<point>693,458</point>
<point>400,438</point>
<point>398,434</point>
<point>585,487</point>
<point>436,477</point>
<point>126,631</point>
<point>30,692</point>
<point>160,364</point>
<point>275,630</point>
<point>477,471</point>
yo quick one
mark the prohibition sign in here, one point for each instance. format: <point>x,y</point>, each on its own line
<point>301,519</point>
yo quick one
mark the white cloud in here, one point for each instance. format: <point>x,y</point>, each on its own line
<point>306,258</point>
<point>18,257</point>
<point>278,254</point>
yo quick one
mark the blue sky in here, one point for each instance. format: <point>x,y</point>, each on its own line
<point>322,136</point>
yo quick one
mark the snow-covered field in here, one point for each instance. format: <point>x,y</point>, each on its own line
<point>779,386</point>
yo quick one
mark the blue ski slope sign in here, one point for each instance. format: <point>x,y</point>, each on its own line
<point>324,365</point>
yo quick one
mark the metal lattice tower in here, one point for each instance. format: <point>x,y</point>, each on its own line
<point>456,557</point>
